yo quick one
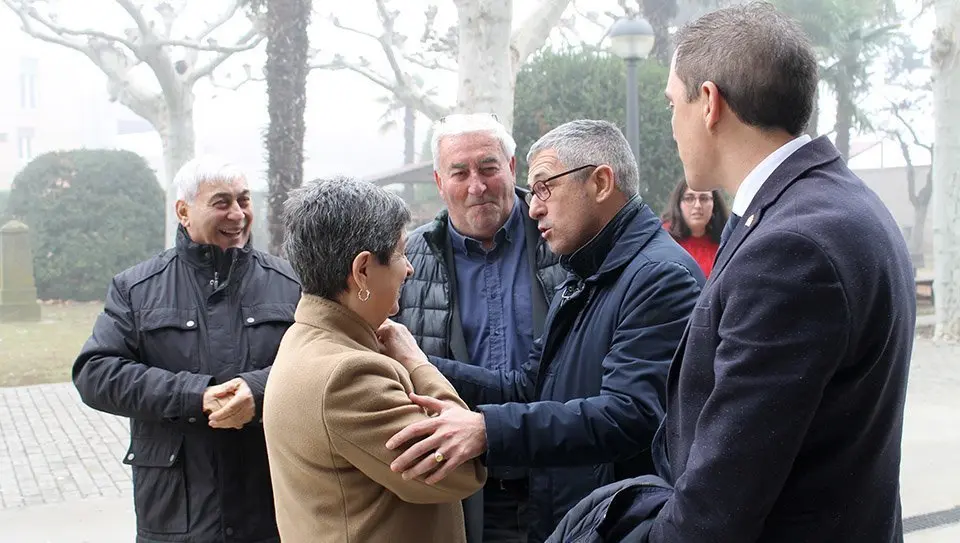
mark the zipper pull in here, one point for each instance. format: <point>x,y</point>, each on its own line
<point>215,282</point>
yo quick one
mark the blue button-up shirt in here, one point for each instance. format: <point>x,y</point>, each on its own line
<point>493,291</point>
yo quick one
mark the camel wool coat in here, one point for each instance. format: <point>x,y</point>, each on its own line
<point>331,403</point>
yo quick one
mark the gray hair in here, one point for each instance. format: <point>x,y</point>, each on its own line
<point>469,123</point>
<point>204,169</point>
<point>582,142</point>
<point>328,222</point>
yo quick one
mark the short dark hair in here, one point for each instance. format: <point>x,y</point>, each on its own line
<point>328,222</point>
<point>761,61</point>
<point>678,227</point>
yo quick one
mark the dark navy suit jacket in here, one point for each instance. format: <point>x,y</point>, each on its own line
<point>785,398</point>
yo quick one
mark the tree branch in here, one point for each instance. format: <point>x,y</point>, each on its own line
<point>895,109</point>
<point>336,22</point>
<point>243,44</point>
<point>169,14</point>
<point>213,46</point>
<point>401,84</point>
<point>590,16</point>
<point>26,12</point>
<point>911,171</point>
<point>221,20</point>
<point>533,32</point>
<point>134,12</point>
<point>428,64</point>
<point>408,95</point>
<point>248,77</point>
<point>31,31</point>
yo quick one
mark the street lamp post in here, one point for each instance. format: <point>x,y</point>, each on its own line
<point>632,39</point>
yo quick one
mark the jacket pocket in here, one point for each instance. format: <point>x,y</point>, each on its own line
<point>265,325</point>
<point>700,317</point>
<point>159,486</point>
<point>170,338</point>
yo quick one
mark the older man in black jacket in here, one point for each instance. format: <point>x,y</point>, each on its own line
<point>483,280</point>
<point>183,348</point>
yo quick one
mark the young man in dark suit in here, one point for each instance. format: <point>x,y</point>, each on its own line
<point>785,398</point>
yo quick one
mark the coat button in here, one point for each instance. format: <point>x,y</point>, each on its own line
<point>192,419</point>
<point>249,320</point>
<point>229,531</point>
<point>190,324</point>
<point>173,457</point>
<point>130,456</point>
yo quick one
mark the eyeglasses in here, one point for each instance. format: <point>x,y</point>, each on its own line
<point>542,190</point>
<point>692,199</point>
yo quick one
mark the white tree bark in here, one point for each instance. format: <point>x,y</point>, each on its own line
<point>491,49</point>
<point>945,56</point>
<point>169,111</point>
<point>485,73</point>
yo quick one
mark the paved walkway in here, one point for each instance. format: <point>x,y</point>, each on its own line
<point>62,481</point>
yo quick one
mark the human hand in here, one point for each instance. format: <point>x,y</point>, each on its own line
<point>216,396</point>
<point>238,410</point>
<point>451,437</point>
<point>398,343</point>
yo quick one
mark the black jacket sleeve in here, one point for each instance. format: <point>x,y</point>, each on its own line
<point>110,377</point>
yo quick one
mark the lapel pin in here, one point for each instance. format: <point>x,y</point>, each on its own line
<point>750,221</point>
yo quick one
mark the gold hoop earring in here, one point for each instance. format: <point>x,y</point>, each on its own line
<point>363,295</point>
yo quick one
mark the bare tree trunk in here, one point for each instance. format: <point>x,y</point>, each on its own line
<point>945,56</point>
<point>920,212</point>
<point>486,77</point>
<point>845,113</point>
<point>409,134</point>
<point>812,128</point>
<point>178,140</point>
<point>286,72</point>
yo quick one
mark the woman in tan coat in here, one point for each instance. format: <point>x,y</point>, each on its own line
<point>332,400</point>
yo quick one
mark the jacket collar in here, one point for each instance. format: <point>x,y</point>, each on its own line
<point>333,317</point>
<point>205,255</point>
<point>616,244</point>
<point>817,153</point>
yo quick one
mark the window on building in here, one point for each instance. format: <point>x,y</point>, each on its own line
<point>25,143</point>
<point>28,83</point>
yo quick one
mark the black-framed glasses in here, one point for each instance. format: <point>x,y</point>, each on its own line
<point>542,191</point>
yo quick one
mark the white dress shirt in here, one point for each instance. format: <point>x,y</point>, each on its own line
<point>756,178</point>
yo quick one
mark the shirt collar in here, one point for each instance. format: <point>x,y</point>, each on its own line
<point>506,234</point>
<point>756,178</point>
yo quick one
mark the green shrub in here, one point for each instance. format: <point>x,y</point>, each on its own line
<point>92,214</point>
<point>4,197</point>
<point>556,87</point>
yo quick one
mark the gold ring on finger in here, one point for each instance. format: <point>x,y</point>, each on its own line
<point>438,457</point>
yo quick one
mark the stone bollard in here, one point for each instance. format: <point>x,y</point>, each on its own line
<point>18,292</point>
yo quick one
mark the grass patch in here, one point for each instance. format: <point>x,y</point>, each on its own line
<point>43,352</point>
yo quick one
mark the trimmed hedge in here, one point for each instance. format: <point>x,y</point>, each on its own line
<point>92,214</point>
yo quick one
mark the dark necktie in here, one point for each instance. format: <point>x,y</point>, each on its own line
<point>728,229</point>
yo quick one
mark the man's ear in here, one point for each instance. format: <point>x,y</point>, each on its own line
<point>604,181</point>
<point>359,270</point>
<point>513,166</point>
<point>436,178</point>
<point>712,104</point>
<point>183,212</point>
